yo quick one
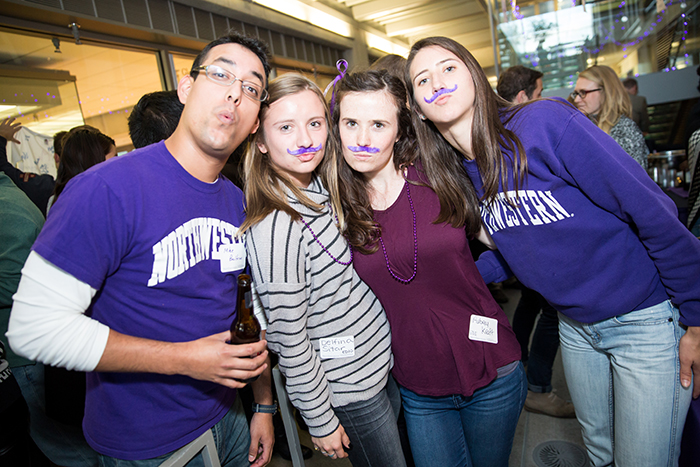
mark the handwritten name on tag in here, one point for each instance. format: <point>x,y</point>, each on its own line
<point>337,347</point>
<point>483,329</point>
<point>232,257</point>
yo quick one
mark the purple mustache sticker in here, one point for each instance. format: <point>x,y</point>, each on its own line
<point>368,149</point>
<point>439,93</point>
<point>300,151</point>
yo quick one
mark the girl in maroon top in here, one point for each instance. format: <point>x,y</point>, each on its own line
<point>456,357</point>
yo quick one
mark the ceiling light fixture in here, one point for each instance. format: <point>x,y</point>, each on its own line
<point>74,27</point>
<point>309,14</point>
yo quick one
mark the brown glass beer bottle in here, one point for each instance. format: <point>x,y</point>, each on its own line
<point>245,329</point>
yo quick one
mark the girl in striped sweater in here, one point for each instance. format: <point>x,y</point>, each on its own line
<point>327,327</point>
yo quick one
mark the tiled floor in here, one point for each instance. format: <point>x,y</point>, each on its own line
<point>532,430</point>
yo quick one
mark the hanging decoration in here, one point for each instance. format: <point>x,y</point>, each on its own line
<point>620,22</point>
<point>516,10</point>
<point>609,37</point>
<point>342,66</point>
<point>682,45</point>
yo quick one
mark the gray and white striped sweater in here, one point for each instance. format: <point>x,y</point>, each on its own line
<point>307,296</point>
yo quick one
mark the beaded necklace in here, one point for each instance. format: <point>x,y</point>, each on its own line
<point>415,244</point>
<point>324,248</point>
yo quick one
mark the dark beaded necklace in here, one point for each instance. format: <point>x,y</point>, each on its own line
<point>415,244</point>
<point>324,248</point>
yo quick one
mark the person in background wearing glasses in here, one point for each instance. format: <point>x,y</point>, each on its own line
<point>133,279</point>
<point>600,95</point>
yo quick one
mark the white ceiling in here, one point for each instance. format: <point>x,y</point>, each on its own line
<point>465,21</point>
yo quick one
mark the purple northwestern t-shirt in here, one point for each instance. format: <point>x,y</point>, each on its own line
<point>430,316</point>
<point>147,235</point>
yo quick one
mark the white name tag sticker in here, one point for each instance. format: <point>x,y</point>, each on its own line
<point>483,329</point>
<point>232,257</point>
<point>337,347</point>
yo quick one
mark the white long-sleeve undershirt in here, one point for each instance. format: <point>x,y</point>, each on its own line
<point>48,321</point>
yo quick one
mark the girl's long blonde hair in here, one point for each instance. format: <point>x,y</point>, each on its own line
<point>615,101</point>
<point>264,183</point>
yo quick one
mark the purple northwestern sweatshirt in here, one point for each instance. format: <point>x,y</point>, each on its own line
<point>592,232</point>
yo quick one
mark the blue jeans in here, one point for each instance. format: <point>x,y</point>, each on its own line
<point>62,444</point>
<point>231,435</point>
<point>371,427</point>
<point>464,431</point>
<point>623,374</point>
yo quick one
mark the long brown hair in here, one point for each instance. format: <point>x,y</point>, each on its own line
<point>614,99</point>
<point>83,147</point>
<point>264,183</point>
<point>497,150</point>
<point>359,226</point>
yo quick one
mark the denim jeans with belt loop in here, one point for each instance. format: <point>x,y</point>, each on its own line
<point>459,431</point>
<point>623,374</point>
<point>371,427</point>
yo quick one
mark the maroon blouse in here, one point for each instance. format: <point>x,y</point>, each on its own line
<point>430,316</point>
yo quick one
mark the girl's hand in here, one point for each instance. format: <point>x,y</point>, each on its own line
<point>332,445</point>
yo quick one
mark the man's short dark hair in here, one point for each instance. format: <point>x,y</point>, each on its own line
<point>253,44</point>
<point>630,83</point>
<point>154,117</point>
<point>515,79</point>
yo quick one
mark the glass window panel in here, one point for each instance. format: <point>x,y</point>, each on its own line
<point>182,64</point>
<point>528,10</point>
<point>546,7</point>
<point>109,81</point>
<point>630,36</point>
<point>46,105</point>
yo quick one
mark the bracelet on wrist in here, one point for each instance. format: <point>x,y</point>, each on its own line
<point>262,408</point>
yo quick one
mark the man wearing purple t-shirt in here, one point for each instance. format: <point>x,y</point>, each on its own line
<point>133,279</point>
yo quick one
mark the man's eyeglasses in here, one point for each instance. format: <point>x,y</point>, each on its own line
<point>225,78</point>
<point>582,93</point>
